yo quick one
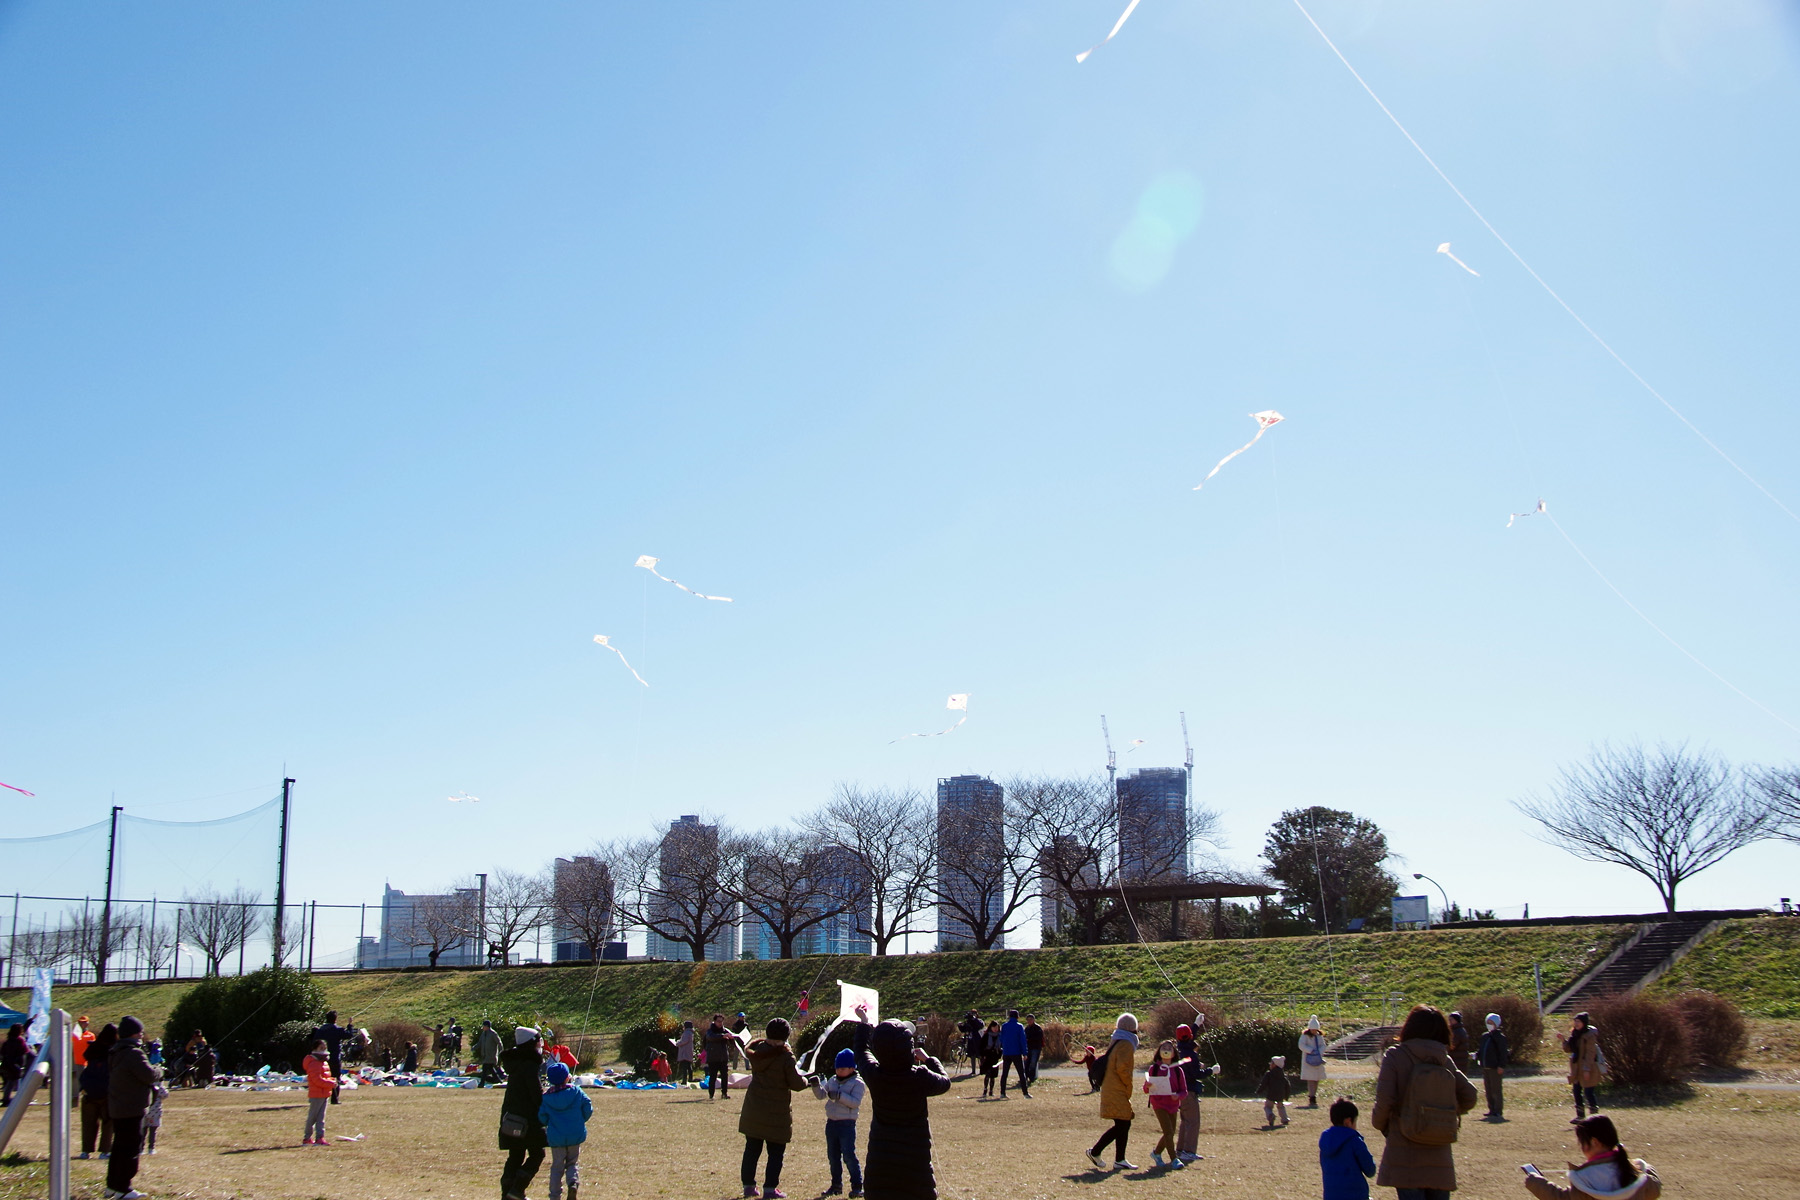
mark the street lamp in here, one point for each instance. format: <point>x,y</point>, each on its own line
<point>1440,887</point>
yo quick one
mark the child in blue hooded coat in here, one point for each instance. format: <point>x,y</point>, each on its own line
<point>1344,1158</point>
<point>564,1113</point>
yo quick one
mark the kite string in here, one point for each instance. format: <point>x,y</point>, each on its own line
<point>1518,258</point>
<point>1661,632</point>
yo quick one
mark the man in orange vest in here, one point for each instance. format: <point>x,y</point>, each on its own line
<point>79,1041</point>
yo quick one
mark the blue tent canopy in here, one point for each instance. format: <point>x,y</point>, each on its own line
<point>11,1016</point>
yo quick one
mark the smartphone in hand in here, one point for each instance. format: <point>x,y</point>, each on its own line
<point>1531,1169</point>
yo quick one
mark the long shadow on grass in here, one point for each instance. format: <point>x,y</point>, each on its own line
<point>258,1149</point>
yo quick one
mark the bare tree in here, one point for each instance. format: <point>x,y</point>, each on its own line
<point>1780,788</point>
<point>983,879</point>
<point>40,947</point>
<point>793,882</point>
<point>438,924</point>
<point>216,923</point>
<point>155,945</point>
<point>677,885</point>
<point>890,834</point>
<point>1071,829</point>
<point>1667,815</point>
<point>582,898</point>
<point>517,905</point>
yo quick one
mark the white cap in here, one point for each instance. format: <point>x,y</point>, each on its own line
<point>523,1034</point>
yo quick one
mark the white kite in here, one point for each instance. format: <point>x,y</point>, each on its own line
<point>956,703</point>
<point>1120,24</point>
<point>1135,743</point>
<point>849,996</point>
<point>1265,420</point>
<point>649,564</point>
<point>462,797</point>
<point>1444,250</point>
<point>1530,512</point>
<point>602,640</point>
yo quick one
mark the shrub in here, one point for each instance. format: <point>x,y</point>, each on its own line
<point>1160,1022</point>
<point>1243,1048</point>
<point>288,1043</point>
<point>393,1036</point>
<point>937,1034</point>
<point>1645,1041</point>
<point>239,1015</point>
<point>1520,1021</point>
<point>839,1039</point>
<point>657,1033</point>
<point>1059,1043</point>
<point>1716,1031</point>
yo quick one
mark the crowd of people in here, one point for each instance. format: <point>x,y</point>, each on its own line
<point>1422,1091</point>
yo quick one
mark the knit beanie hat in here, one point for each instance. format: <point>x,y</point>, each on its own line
<point>845,1058</point>
<point>523,1034</point>
<point>1493,1020</point>
<point>1127,1022</point>
<point>557,1073</point>
<point>130,1027</point>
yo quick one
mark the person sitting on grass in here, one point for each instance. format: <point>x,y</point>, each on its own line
<point>565,1112</point>
<point>1344,1158</point>
<point>1274,1091</point>
<point>1606,1172</point>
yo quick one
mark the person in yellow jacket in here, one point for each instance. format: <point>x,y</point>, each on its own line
<point>1115,1094</point>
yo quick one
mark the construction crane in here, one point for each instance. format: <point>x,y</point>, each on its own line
<point>1190,756</point>
<point>1112,759</point>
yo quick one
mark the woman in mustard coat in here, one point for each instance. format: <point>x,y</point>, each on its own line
<point>1115,1094</point>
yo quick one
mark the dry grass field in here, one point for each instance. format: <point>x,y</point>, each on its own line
<point>1715,1141</point>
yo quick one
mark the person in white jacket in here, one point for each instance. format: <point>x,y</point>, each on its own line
<point>1607,1173</point>
<point>1312,1060</point>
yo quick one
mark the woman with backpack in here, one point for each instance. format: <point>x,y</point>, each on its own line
<point>1583,1047</point>
<point>1115,1094</point>
<point>1312,1060</point>
<point>1420,1097</point>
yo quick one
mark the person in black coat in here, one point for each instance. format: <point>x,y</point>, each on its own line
<point>521,1133</point>
<point>901,1078</point>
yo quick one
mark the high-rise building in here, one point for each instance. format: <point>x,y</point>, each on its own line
<point>1065,861</point>
<point>842,879</point>
<point>582,898</point>
<point>971,844</point>
<point>688,845</point>
<point>411,926</point>
<point>1153,832</point>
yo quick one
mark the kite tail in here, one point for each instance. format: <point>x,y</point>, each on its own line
<point>1118,25</point>
<point>1233,455</point>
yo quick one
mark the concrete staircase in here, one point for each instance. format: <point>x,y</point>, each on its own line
<point>1641,960</point>
<point>1364,1043</point>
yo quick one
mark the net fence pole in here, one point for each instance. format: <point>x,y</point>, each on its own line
<point>101,952</point>
<point>287,793</point>
<point>12,943</point>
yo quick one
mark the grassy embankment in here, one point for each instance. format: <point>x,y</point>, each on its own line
<point>1080,985</point>
<point>1755,961</point>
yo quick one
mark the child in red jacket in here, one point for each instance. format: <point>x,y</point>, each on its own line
<point>319,1086</point>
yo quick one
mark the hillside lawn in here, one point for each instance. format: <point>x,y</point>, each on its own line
<point>1706,1142</point>
<point>1755,961</point>
<point>1081,985</point>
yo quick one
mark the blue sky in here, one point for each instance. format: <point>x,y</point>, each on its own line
<point>351,354</point>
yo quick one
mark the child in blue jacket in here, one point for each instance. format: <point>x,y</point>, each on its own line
<point>564,1112</point>
<point>1344,1158</point>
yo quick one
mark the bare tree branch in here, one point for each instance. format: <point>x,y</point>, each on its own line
<point>217,923</point>
<point>582,895</point>
<point>677,885</point>
<point>437,924</point>
<point>793,882</point>
<point>517,905</point>
<point>890,834</point>
<point>1780,788</point>
<point>1668,815</point>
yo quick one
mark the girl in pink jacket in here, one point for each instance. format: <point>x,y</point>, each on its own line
<point>1165,1104</point>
